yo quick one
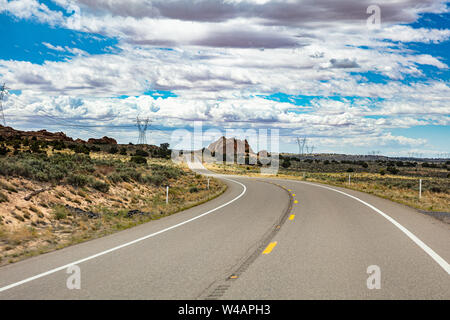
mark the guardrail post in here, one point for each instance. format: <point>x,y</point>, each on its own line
<point>420,188</point>
<point>167,195</point>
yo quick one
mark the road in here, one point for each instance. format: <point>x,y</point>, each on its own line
<point>262,239</point>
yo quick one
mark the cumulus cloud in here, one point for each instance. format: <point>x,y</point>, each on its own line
<point>220,57</point>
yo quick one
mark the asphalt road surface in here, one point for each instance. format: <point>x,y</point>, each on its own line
<point>262,239</point>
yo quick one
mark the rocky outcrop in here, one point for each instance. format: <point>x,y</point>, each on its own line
<point>104,140</point>
<point>11,133</point>
<point>230,146</point>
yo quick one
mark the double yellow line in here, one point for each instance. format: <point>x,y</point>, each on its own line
<point>272,245</point>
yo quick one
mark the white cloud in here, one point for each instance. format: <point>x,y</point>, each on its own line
<point>227,53</point>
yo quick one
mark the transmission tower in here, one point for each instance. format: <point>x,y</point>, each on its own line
<point>301,145</point>
<point>142,127</point>
<point>2,95</point>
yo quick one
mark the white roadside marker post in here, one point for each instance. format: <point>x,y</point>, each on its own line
<point>167,195</point>
<point>349,178</point>
<point>208,183</point>
<point>420,188</point>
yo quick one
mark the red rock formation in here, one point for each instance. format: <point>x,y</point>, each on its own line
<point>231,145</point>
<point>104,140</point>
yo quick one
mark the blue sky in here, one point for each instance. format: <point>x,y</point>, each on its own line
<point>319,73</point>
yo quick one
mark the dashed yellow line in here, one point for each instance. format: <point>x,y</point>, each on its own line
<point>296,201</point>
<point>291,217</point>
<point>269,248</point>
<point>293,194</point>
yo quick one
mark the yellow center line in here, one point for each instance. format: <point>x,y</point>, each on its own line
<point>293,194</point>
<point>269,248</point>
<point>291,217</point>
<point>296,201</point>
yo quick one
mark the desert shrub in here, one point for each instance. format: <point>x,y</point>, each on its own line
<point>326,162</point>
<point>113,150</point>
<point>115,177</point>
<point>141,153</point>
<point>81,148</point>
<point>3,150</point>
<point>77,180</point>
<point>193,189</point>
<point>168,172</point>
<point>350,170</point>
<point>100,186</point>
<point>155,179</point>
<point>392,170</point>
<point>3,197</point>
<point>95,148</point>
<point>59,212</point>
<point>34,147</point>
<point>286,163</point>
<point>123,151</point>
<point>435,189</point>
<point>162,152</point>
<point>138,159</point>
<point>59,145</point>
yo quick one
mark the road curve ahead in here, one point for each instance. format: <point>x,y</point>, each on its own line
<point>262,239</point>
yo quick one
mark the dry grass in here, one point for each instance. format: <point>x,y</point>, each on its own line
<point>44,223</point>
<point>401,189</point>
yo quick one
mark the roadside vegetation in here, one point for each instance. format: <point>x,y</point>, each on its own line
<point>394,180</point>
<point>54,194</point>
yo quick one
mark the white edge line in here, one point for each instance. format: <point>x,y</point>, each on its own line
<point>439,260</point>
<point>40,275</point>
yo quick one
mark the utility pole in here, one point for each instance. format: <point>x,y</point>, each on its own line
<point>2,95</point>
<point>142,127</point>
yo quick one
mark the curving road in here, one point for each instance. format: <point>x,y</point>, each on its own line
<point>262,239</point>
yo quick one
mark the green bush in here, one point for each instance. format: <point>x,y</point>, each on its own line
<point>77,180</point>
<point>138,159</point>
<point>81,148</point>
<point>3,150</point>
<point>142,153</point>
<point>115,177</point>
<point>286,163</point>
<point>392,170</point>
<point>113,150</point>
<point>350,170</point>
<point>193,189</point>
<point>155,179</point>
<point>60,212</point>
<point>100,186</point>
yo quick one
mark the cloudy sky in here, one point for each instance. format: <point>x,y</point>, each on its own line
<point>308,68</point>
